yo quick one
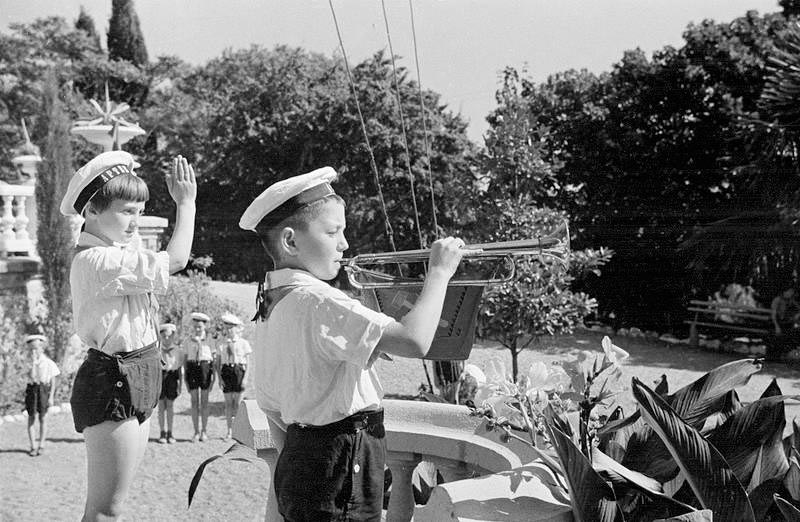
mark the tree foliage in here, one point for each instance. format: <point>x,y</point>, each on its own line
<point>54,235</point>
<point>650,154</point>
<point>124,38</point>
<point>255,116</point>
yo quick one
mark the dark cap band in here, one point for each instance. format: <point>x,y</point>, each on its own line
<point>295,203</point>
<point>97,183</point>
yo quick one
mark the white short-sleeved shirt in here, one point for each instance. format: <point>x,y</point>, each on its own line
<point>113,286</point>
<point>173,358</point>
<point>311,355</point>
<point>234,351</point>
<point>199,348</point>
<point>43,370</point>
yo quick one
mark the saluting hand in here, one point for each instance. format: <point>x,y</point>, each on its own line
<point>181,182</point>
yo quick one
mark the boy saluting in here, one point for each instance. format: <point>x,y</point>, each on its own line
<point>314,348</point>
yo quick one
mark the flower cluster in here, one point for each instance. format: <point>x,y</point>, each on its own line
<point>573,388</point>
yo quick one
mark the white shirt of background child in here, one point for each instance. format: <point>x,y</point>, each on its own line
<point>112,293</point>
<point>240,348</point>
<point>173,358</point>
<point>199,349</point>
<point>311,354</point>
<point>43,370</point>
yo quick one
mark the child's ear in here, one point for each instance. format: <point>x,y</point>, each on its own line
<point>288,241</point>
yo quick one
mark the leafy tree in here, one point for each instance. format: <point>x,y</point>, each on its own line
<point>538,300</point>
<point>85,23</point>
<point>124,38</point>
<point>54,236</point>
<point>252,117</point>
<point>650,152</point>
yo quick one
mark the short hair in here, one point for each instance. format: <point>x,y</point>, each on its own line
<point>126,187</point>
<point>300,220</point>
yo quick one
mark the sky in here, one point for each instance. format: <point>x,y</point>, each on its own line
<point>462,45</point>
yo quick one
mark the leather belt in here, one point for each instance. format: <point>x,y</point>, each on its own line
<point>355,422</point>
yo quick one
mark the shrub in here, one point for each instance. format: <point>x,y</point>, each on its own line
<point>14,366</point>
<point>190,293</point>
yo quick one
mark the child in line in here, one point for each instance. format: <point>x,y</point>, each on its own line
<point>40,390</point>
<point>174,358</point>
<point>233,354</point>
<point>113,283</point>
<point>315,348</point>
<point>199,373</point>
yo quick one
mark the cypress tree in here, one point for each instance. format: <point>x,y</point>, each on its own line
<point>85,23</point>
<point>125,40</point>
<point>53,234</point>
<point>790,7</point>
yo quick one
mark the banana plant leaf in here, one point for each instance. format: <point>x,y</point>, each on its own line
<point>592,498</point>
<point>629,483</point>
<point>791,481</point>
<point>789,512</point>
<point>751,441</point>
<point>711,479</point>
<point>694,403</point>
<point>763,501</point>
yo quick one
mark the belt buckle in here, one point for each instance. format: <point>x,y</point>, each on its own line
<point>362,422</point>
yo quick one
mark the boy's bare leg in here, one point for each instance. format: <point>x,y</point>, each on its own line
<point>31,439</point>
<point>195,396</point>
<point>113,453</point>
<point>42,430</point>
<point>170,414</point>
<point>204,411</point>
<point>161,414</point>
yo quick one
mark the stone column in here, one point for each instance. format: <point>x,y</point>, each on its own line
<point>401,500</point>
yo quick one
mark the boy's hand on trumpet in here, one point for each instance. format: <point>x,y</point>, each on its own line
<point>445,255</point>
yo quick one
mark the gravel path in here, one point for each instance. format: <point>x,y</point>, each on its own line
<point>52,486</point>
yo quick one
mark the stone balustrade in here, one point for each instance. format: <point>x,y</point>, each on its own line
<point>16,239</point>
<point>485,479</point>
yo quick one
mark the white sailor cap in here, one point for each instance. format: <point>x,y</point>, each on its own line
<point>200,316</point>
<point>284,198</point>
<point>35,337</point>
<point>167,327</point>
<point>229,318</point>
<point>90,178</point>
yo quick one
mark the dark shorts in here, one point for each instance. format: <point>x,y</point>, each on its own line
<point>232,376</point>
<point>332,472</point>
<point>170,385</point>
<point>36,398</point>
<point>199,374</point>
<point>116,387</point>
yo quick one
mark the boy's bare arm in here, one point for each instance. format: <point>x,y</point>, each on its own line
<point>182,187</point>
<point>413,336</point>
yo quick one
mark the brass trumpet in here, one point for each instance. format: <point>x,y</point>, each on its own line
<point>553,248</point>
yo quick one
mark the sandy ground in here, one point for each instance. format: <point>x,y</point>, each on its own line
<point>52,486</point>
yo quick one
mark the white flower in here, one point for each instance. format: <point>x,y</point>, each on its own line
<point>614,354</point>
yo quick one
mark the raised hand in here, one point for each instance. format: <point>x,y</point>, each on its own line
<point>181,182</point>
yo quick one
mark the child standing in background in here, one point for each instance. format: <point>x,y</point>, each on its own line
<point>174,358</point>
<point>199,373</point>
<point>233,354</point>
<point>40,390</point>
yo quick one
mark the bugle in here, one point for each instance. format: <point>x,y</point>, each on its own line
<point>552,249</point>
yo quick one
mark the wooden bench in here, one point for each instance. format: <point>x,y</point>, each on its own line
<point>709,314</point>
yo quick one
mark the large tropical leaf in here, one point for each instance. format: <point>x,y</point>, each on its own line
<point>694,403</point>
<point>751,441</point>
<point>592,497</point>
<point>711,479</point>
<point>788,510</point>
<point>763,501</point>
<point>629,484</point>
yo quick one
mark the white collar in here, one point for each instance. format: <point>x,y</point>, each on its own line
<point>291,277</point>
<point>89,240</point>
